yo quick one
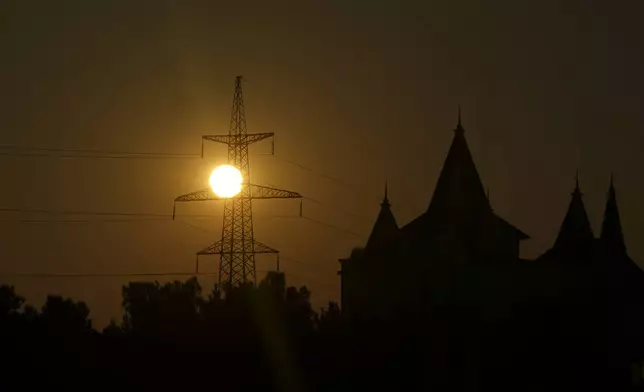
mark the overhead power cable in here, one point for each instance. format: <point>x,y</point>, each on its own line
<point>315,221</point>
<point>84,153</point>
<point>328,225</point>
<point>323,175</point>
<point>58,275</point>
<point>334,227</point>
<point>72,212</point>
<point>99,213</point>
<point>326,176</point>
<point>158,216</point>
<point>128,220</point>
<point>83,220</point>
<point>13,150</point>
<point>101,275</point>
<point>339,209</point>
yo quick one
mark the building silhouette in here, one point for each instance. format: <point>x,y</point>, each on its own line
<point>459,249</point>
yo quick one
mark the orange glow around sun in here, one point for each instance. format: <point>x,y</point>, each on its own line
<point>226,181</point>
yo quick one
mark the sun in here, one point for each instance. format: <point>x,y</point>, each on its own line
<point>226,181</point>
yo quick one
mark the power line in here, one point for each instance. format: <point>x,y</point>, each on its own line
<point>70,153</point>
<point>156,217</point>
<point>339,209</point>
<point>328,225</point>
<point>72,275</point>
<point>256,217</point>
<point>101,275</point>
<point>89,153</point>
<point>81,153</point>
<point>332,206</point>
<point>71,212</point>
<point>159,216</point>
<point>57,275</point>
<point>83,220</point>
<point>323,175</point>
<point>123,214</point>
<point>42,151</point>
<point>45,155</point>
<point>338,180</point>
<point>334,227</point>
<point>84,153</point>
<point>125,220</point>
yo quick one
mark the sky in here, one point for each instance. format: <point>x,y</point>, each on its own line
<point>360,91</point>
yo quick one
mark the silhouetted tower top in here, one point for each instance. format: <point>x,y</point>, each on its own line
<point>459,184</point>
<point>575,229</point>
<point>238,116</point>
<point>612,234</point>
<point>385,227</point>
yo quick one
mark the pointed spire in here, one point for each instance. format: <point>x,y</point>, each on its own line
<point>386,199</point>
<point>385,227</point>
<point>459,125</point>
<point>612,233</point>
<point>459,186</point>
<point>575,229</point>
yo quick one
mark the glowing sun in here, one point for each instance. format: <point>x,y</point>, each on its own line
<point>226,181</point>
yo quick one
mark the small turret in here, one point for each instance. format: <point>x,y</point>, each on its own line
<point>575,229</point>
<point>612,234</point>
<point>385,227</point>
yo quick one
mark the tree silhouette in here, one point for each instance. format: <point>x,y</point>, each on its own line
<point>10,302</point>
<point>489,329</point>
<point>66,315</point>
<point>330,318</point>
<point>158,310</point>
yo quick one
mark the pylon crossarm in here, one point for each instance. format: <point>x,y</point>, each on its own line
<point>265,192</point>
<point>202,195</point>
<point>214,249</point>
<point>262,248</point>
<point>256,192</point>
<point>217,249</point>
<point>240,139</point>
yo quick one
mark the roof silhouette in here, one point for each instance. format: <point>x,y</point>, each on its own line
<point>459,196</point>
<point>612,233</point>
<point>459,183</point>
<point>385,227</point>
<point>575,229</point>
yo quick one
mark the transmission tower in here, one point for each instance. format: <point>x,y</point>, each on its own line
<point>237,246</point>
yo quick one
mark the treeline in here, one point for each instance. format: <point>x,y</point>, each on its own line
<point>177,336</point>
<point>171,335</point>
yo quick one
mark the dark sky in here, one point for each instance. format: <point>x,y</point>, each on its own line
<point>362,90</point>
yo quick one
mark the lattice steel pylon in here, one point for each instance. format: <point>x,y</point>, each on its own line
<point>237,246</point>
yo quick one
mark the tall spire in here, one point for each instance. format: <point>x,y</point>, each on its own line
<point>459,186</point>
<point>385,227</point>
<point>386,199</point>
<point>459,126</point>
<point>612,233</point>
<point>575,229</point>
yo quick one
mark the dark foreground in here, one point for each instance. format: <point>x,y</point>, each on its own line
<point>268,337</point>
